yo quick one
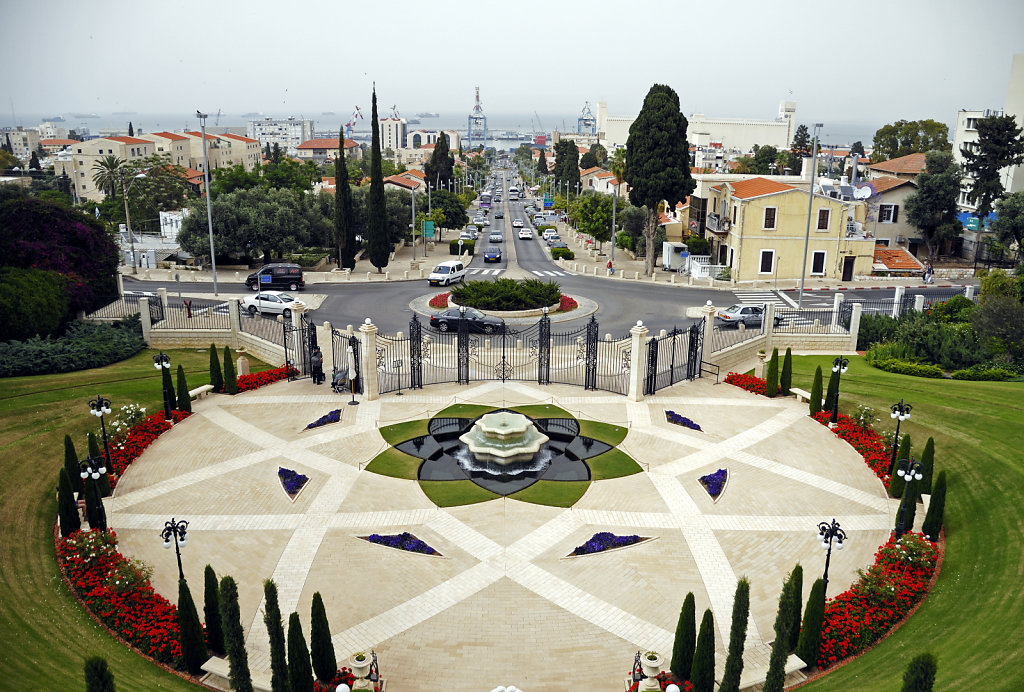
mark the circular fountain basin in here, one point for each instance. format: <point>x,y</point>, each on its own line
<point>503,438</point>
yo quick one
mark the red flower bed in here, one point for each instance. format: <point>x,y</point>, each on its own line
<point>343,676</point>
<point>131,608</point>
<point>665,678</point>
<point>565,303</point>
<point>124,452</point>
<point>868,443</point>
<point>884,595</point>
<point>440,301</point>
<point>748,382</point>
<point>258,379</point>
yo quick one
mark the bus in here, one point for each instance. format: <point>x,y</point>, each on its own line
<point>485,200</point>
<point>513,192</point>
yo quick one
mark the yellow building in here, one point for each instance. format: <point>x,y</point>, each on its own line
<point>758,228</point>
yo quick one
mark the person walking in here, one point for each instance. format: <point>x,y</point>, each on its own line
<point>317,363</point>
<point>611,268</point>
<point>928,271</point>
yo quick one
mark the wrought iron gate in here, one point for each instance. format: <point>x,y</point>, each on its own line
<point>572,356</point>
<point>340,344</point>
<point>299,343</point>
<point>674,357</point>
<point>393,363</point>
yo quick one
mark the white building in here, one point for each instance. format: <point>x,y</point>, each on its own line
<point>23,141</point>
<point>415,139</point>
<point>287,134</point>
<point>85,155</point>
<point>392,133</point>
<point>50,130</point>
<point>170,223</point>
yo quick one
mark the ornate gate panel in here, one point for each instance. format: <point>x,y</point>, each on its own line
<point>567,357</point>
<point>695,353</point>
<point>611,371</point>
<point>392,363</point>
<point>297,350</point>
<point>340,345</point>
<point>513,354</point>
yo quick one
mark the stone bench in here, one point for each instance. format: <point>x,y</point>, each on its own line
<point>801,395</point>
<point>200,392</point>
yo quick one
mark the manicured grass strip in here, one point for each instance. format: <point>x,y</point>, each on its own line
<point>455,493</point>
<point>392,462</point>
<point>612,464</point>
<point>553,493</point>
<point>464,411</point>
<point>543,411</point>
<point>605,432</point>
<point>400,432</point>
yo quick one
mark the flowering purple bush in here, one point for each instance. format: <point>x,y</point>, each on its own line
<point>291,480</point>
<point>714,482</point>
<point>675,418</point>
<point>402,541</point>
<point>604,540</point>
<point>332,417</point>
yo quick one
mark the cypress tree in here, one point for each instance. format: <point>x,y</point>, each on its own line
<point>66,506</point>
<point>896,483</point>
<point>211,611</point>
<point>98,677</point>
<point>216,379</point>
<point>234,636</point>
<point>686,639</point>
<point>71,465</point>
<point>772,388</point>
<point>797,577</point>
<point>300,672</point>
<point>321,649</point>
<point>376,214</point>
<point>920,674</point>
<point>275,631</point>
<point>230,379</point>
<point>184,400</point>
<point>737,637</point>
<point>809,644</point>
<point>786,380</point>
<point>103,482</point>
<point>344,220</point>
<point>832,392</point>
<point>92,500</point>
<point>702,672</point>
<point>190,631</point>
<point>911,508</point>
<point>927,467</point>
<point>780,647</point>
<point>815,402</point>
<point>936,507</point>
<point>172,399</point>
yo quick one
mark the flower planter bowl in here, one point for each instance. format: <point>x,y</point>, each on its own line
<point>651,662</point>
<point>360,668</point>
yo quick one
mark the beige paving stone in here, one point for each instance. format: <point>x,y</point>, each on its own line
<point>627,494</point>
<point>503,520</point>
<point>372,493</point>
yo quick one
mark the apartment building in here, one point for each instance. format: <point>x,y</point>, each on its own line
<point>288,133</point>
<point>392,133</point>
<point>240,150</point>
<point>177,147</point>
<point>326,148</point>
<point>85,156</point>
<point>23,141</point>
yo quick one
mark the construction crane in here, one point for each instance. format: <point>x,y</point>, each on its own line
<point>477,119</point>
<point>356,116</point>
<point>216,121</point>
<point>540,126</point>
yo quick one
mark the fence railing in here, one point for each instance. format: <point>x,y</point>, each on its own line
<point>266,328</point>
<point>116,308</point>
<point>725,335</point>
<point>194,316</point>
<point>793,321</point>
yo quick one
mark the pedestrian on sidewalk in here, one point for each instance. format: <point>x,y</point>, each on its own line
<point>317,363</point>
<point>928,271</point>
<point>611,269</point>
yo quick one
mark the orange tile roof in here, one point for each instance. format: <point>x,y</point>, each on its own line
<point>419,174</point>
<point>129,140</point>
<point>756,187</point>
<point>886,183</point>
<point>426,146</point>
<point>605,174</point>
<point>200,134</point>
<point>402,182</point>
<point>240,138</point>
<point>911,163</point>
<point>328,181</point>
<point>57,142</point>
<point>169,135</point>
<point>583,150</point>
<point>590,170</point>
<point>895,258</point>
<point>327,143</point>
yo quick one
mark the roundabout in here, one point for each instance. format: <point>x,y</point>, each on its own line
<point>504,602</point>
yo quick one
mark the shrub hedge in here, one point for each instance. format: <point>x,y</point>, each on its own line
<point>36,302</point>
<point>558,253</point>
<point>907,367</point>
<point>507,294</point>
<point>84,345</point>
<point>988,374</point>
<point>467,247</point>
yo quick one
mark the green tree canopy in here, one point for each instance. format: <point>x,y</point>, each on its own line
<point>658,160</point>
<point>1009,223</point>
<point>600,153</point>
<point>440,166</point>
<point>567,169</point>
<point>905,137</point>
<point>588,160</point>
<point>593,215</point>
<point>451,206</point>
<point>764,158</point>
<point>542,164</point>
<point>344,217</point>
<point>932,207</point>
<point>999,145</point>
<point>376,212</point>
<point>801,145</point>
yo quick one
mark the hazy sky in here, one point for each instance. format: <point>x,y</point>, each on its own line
<point>864,61</point>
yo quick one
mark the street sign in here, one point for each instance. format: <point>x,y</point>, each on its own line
<point>971,224</point>
<point>428,229</point>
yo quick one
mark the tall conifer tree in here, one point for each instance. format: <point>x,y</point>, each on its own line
<point>376,212</point>
<point>344,219</point>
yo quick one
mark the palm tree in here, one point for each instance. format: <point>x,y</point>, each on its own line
<point>107,172</point>
<point>617,165</point>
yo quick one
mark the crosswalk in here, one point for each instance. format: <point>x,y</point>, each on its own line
<point>761,297</point>
<point>485,272</point>
<point>550,273</point>
<point>495,272</point>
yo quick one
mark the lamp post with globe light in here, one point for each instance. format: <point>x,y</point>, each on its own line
<point>100,407</point>
<point>909,470</point>
<point>900,412</point>
<point>839,366</point>
<point>176,532</point>
<point>827,533</point>
<point>91,469</point>
<point>163,362</point>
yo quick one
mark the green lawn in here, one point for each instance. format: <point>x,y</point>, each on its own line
<point>454,493</point>
<point>972,617</point>
<point>464,411</point>
<point>612,464</point>
<point>553,493</point>
<point>605,432</point>
<point>46,634</point>
<point>395,463</point>
<point>543,411</point>
<point>400,432</point>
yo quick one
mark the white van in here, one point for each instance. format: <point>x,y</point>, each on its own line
<point>447,273</point>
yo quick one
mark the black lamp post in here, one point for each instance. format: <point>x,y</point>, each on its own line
<point>163,362</point>
<point>900,412</point>
<point>638,671</point>
<point>100,407</point>
<point>179,531</point>
<point>374,674</point>
<point>827,532</point>
<point>910,471</point>
<point>839,366</point>
<point>91,470</point>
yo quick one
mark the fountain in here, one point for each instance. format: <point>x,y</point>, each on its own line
<point>503,438</point>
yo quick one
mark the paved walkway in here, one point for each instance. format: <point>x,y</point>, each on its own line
<point>504,605</point>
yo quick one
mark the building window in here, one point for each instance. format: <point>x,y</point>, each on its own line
<point>884,242</point>
<point>734,214</point>
<point>818,263</point>
<point>824,215</point>
<point>888,213</point>
<point>767,261</point>
<point>769,217</point>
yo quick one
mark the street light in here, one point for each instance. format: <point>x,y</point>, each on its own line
<point>92,469</point>
<point>179,531</point>
<point>909,470</point>
<point>810,204</point>
<point>827,532</point>
<point>839,366</point>
<point>900,412</point>
<point>163,362</point>
<point>128,219</point>
<point>100,407</point>
<point>206,188</point>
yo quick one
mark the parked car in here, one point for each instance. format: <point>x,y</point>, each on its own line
<point>492,254</point>
<point>497,238</point>
<point>526,234</point>
<point>277,275</point>
<point>557,244</point>
<point>749,315</point>
<point>447,273</point>
<point>476,321</point>
<point>270,303</point>
<point>548,232</point>
<point>554,240</point>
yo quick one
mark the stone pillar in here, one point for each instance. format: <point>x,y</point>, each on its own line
<point>162,293</point>
<point>235,320</point>
<point>769,326</point>
<point>968,290</point>
<point>855,324</point>
<point>709,326</point>
<point>919,302</point>
<point>368,360</point>
<point>897,301</point>
<point>120,283</point>
<point>242,367</point>
<point>147,326</point>
<point>837,304</point>
<point>637,361</point>
<point>297,311</point>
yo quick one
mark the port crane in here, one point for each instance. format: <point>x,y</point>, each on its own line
<point>356,116</point>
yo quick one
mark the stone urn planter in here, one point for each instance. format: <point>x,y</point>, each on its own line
<point>360,663</point>
<point>651,662</point>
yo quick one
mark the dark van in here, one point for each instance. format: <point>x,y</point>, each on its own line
<point>276,276</point>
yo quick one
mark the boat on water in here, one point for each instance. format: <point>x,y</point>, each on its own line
<point>54,119</point>
<point>85,115</point>
<point>251,115</point>
<point>412,121</point>
<point>427,114</point>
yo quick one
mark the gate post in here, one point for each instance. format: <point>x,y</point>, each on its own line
<point>855,324</point>
<point>544,350</point>
<point>147,324</point>
<point>837,310</point>
<point>637,362</point>
<point>709,324</point>
<point>368,360</point>
<point>235,319</point>
<point>897,301</point>
<point>768,324</point>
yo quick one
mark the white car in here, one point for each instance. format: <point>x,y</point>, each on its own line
<point>517,223</point>
<point>549,232</point>
<point>526,234</point>
<point>270,303</point>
